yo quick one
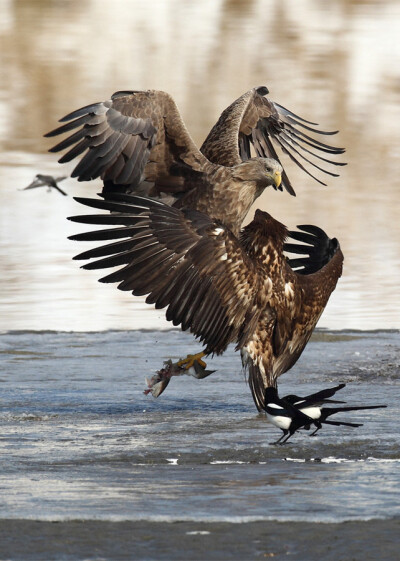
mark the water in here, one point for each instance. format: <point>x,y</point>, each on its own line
<point>90,468</point>
<point>334,63</point>
<point>81,442</point>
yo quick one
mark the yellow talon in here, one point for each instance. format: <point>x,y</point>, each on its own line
<point>189,361</point>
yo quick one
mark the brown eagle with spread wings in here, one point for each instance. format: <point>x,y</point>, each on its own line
<point>223,288</point>
<point>137,142</point>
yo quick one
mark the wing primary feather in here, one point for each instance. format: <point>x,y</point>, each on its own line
<point>111,219</point>
<point>311,129</point>
<point>297,248</point>
<point>102,204</point>
<point>287,147</point>
<point>108,234</point>
<point>311,229</point>
<point>134,256</point>
<point>291,140</point>
<point>327,147</point>
<point>68,127</point>
<point>125,274</point>
<point>104,250</point>
<point>304,139</point>
<point>92,109</point>
<point>288,112</point>
<point>303,237</point>
<point>286,151</point>
<point>80,170</point>
<point>75,151</point>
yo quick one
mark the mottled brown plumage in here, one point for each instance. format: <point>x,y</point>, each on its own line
<point>137,142</point>
<point>224,289</point>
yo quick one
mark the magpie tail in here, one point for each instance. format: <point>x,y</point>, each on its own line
<point>342,423</point>
<point>328,411</point>
<point>325,394</point>
<point>319,423</point>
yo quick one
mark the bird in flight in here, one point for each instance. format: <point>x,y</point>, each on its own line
<point>46,181</point>
<point>180,209</point>
<point>223,288</point>
<point>137,142</point>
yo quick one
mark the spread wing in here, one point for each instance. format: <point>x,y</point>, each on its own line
<point>316,246</point>
<point>181,259</point>
<point>253,119</point>
<point>315,281</point>
<point>135,141</point>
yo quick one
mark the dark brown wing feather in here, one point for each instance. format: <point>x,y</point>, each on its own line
<point>315,281</point>
<point>255,119</point>
<point>297,302</point>
<point>134,141</point>
<point>181,259</point>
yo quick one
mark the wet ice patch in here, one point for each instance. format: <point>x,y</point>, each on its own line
<point>219,462</point>
<point>333,460</point>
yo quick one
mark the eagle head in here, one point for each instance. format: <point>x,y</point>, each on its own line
<point>263,171</point>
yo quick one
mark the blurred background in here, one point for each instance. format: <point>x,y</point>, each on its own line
<point>336,63</point>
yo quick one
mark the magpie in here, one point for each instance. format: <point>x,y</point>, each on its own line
<point>319,397</point>
<point>284,415</point>
<point>312,406</point>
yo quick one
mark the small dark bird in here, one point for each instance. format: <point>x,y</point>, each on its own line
<point>315,400</point>
<point>313,406</point>
<point>320,414</point>
<point>46,181</point>
<point>284,413</point>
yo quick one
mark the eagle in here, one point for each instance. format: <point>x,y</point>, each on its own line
<point>137,142</point>
<point>222,287</point>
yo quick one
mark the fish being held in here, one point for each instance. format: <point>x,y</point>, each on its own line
<point>160,380</point>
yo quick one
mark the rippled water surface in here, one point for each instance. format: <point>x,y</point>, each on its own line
<point>81,442</point>
<point>335,63</point>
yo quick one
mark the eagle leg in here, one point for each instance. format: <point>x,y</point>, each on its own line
<point>189,361</point>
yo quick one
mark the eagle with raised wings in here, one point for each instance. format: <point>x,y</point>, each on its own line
<point>137,142</point>
<point>223,288</point>
<point>180,211</point>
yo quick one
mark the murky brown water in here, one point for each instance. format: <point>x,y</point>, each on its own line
<point>334,62</point>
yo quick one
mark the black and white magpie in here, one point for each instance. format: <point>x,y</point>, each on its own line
<point>304,412</point>
<point>313,406</point>
<point>284,415</point>
<point>322,396</point>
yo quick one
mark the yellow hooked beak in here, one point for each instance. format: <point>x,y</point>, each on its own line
<point>277,178</point>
